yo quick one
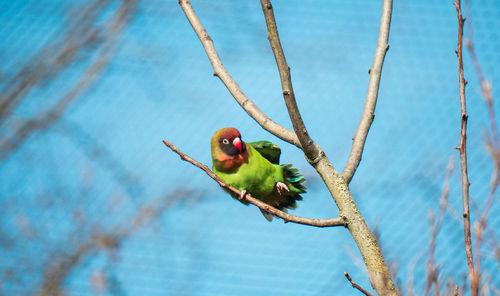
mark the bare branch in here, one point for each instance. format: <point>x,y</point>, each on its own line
<point>379,272</point>
<point>221,72</point>
<point>354,285</point>
<point>380,277</point>
<point>492,146</point>
<point>261,205</point>
<point>311,150</point>
<point>58,269</point>
<point>45,119</point>
<point>432,271</point>
<point>61,268</point>
<point>372,93</point>
<point>481,226</point>
<point>463,154</point>
<point>81,35</point>
<point>411,274</point>
<point>493,142</point>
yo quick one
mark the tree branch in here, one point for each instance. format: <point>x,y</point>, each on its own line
<point>380,277</point>
<point>221,72</point>
<point>355,285</point>
<point>368,115</point>
<point>341,221</point>
<point>46,119</point>
<point>463,154</point>
<point>79,35</point>
<point>58,269</point>
<point>311,150</point>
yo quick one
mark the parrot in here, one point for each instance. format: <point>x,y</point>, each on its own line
<point>254,168</point>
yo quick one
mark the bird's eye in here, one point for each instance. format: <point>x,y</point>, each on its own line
<point>225,141</point>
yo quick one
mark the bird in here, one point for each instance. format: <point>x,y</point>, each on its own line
<point>254,168</point>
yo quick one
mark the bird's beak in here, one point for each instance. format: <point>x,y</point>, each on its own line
<point>237,143</point>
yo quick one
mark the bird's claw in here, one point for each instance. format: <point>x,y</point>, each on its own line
<point>242,194</point>
<point>281,186</point>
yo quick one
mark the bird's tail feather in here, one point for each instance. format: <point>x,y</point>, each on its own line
<point>294,177</point>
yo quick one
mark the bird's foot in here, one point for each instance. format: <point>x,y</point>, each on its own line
<point>281,186</point>
<point>242,194</point>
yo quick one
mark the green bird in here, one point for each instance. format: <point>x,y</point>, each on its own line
<point>254,168</point>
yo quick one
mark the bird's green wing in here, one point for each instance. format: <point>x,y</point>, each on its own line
<point>267,149</point>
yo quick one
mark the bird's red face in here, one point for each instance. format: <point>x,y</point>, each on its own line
<point>230,142</point>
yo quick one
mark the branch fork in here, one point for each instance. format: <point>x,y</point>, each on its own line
<point>336,183</point>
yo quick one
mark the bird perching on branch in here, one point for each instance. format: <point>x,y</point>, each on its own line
<point>254,168</point>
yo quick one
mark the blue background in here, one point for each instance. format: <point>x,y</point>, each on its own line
<point>102,166</point>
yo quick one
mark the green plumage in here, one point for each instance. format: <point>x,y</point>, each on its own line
<point>260,173</point>
<point>268,150</point>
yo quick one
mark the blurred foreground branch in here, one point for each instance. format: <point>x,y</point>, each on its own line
<point>59,270</point>
<point>99,154</point>
<point>432,270</point>
<point>85,34</point>
<point>493,148</point>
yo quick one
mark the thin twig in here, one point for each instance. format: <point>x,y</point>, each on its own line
<point>355,285</point>
<point>261,205</point>
<point>485,85</point>
<point>493,141</point>
<point>432,271</point>
<point>411,273</point>
<point>436,283</point>
<point>368,115</point>
<point>481,226</point>
<point>221,72</point>
<point>463,154</point>
<point>492,146</point>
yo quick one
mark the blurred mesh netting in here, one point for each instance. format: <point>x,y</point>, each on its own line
<point>92,203</point>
